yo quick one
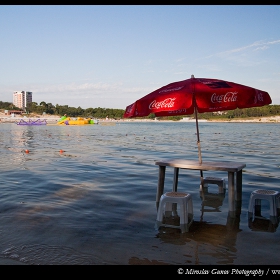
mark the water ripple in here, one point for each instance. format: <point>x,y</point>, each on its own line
<point>94,203</point>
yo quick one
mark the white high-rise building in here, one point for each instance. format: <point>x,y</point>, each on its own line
<point>21,99</point>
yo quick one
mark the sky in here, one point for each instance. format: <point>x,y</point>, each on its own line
<point>109,56</point>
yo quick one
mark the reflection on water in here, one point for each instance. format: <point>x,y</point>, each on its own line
<point>95,202</point>
<point>260,224</point>
<point>205,242</point>
<point>211,201</point>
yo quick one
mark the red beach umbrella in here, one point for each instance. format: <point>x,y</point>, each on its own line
<point>197,95</point>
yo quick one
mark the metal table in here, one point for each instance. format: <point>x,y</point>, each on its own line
<point>234,169</point>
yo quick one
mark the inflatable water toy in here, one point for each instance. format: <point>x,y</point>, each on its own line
<point>32,122</point>
<point>63,118</point>
<point>78,121</point>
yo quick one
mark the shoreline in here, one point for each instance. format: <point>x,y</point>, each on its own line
<point>54,119</point>
<point>274,119</point>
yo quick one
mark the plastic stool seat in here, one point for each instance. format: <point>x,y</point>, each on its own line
<point>214,180</point>
<point>254,209</point>
<point>167,212</point>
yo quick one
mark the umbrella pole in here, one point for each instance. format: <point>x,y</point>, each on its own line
<point>196,122</point>
<point>198,140</point>
<point>198,144</point>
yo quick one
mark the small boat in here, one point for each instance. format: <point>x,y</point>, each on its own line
<point>32,122</point>
<point>78,121</point>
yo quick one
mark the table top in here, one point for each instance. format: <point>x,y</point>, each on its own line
<point>230,166</point>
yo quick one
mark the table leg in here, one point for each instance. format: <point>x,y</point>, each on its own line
<point>238,192</point>
<point>175,179</point>
<point>160,187</point>
<point>231,194</point>
<point>239,185</point>
<point>233,222</point>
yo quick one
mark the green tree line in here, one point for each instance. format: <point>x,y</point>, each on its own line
<point>49,108</point>
<point>255,112</point>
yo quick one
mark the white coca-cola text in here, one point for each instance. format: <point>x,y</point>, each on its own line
<point>228,97</point>
<point>171,89</point>
<point>166,103</point>
<point>258,96</point>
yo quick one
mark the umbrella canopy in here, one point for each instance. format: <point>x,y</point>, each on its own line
<point>197,95</point>
<point>207,95</point>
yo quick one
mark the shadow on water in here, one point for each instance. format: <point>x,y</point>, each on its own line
<point>210,242</point>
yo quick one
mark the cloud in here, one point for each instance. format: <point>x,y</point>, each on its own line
<point>256,46</point>
<point>259,45</point>
<point>88,94</point>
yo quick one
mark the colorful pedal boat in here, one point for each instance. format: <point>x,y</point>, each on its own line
<point>78,121</point>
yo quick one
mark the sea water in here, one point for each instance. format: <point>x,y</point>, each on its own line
<point>86,194</point>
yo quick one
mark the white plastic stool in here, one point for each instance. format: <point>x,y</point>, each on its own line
<point>254,208</point>
<point>181,199</point>
<point>214,180</point>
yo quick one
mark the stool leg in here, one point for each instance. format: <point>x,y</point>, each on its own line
<point>221,187</point>
<point>184,217</point>
<point>160,214</point>
<point>273,210</point>
<point>258,206</point>
<point>251,208</point>
<point>278,205</point>
<point>168,209</point>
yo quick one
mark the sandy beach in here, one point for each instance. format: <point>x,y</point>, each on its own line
<point>53,119</point>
